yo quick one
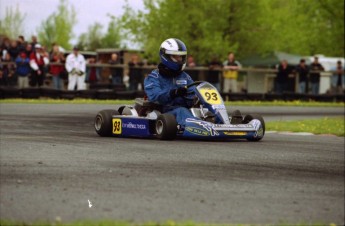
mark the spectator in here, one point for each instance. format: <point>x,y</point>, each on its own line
<point>190,66</point>
<point>38,60</point>
<point>282,77</point>
<point>135,72</point>
<point>57,71</point>
<point>33,40</point>
<point>116,73</point>
<point>8,69</point>
<point>23,70</point>
<point>76,66</point>
<point>231,67</point>
<point>338,78</point>
<point>6,44</point>
<point>14,50</point>
<point>2,79</point>
<point>21,43</point>
<point>28,49</point>
<point>315,68</point>
<point>92,72</point>
<point>302,70</point>
<point>213,72</point>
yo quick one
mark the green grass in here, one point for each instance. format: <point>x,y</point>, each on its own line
<point>325,125</point>
<point>167,223</point>
<point>228,103</point>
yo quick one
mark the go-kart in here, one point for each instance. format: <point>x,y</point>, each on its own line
<point>212,121</point>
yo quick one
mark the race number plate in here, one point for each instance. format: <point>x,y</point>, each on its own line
<point>211,96</point>
<point>117,126</point>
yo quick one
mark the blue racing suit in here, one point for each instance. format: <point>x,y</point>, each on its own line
<point>158,87</point>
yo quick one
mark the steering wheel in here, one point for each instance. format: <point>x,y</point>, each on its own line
<point>191,92</point>
<point>194,84</point>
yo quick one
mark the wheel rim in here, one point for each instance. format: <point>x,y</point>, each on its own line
<point>159,127</point>
<point>98,122</point>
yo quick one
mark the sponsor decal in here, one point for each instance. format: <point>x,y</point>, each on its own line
<point>219,107</point>
<point>197,131</point>
<point>130,125</point>
<point>117,128</point>
<point>206,125</point>
<point>235,133</point>
<point>231,126</point>
<point>181,82</point>
<point>259,133</point>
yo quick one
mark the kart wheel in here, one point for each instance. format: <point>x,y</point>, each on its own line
<point>249,118</point>
<point>166,127</point>
<point>103,122</point>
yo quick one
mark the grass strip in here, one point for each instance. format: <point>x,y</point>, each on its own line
<point>326,125</point>
<point>228,103</point>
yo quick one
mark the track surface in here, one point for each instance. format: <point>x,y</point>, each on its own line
<point>52,162</point>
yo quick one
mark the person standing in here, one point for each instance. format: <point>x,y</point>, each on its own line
<point>56,70</point>
<point>23,70</point>
<point>38,60</point>
<point>338,78</point>
<point>92,72</point>
<point>231,67</point>
<point>315,68</point>
<point>76,67</point>
<point>135,72</point>
<point>213,73</point>
<point>282,77</point>
<point>302,70</point>
<point>190,68</point>
<point>116,73</point>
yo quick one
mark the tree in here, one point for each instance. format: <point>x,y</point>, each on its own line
<point>58,27</point>
<point>215,27</point>
<point>112,39</point>
<point>184,20</point>
<point>12,24</point>
<point>92,39</point>
<point>95,38</point>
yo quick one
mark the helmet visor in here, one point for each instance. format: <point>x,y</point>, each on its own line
<point>180,59</point>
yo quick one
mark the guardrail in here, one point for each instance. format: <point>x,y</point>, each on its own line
<point>104,89</point>
<point>112,93</point>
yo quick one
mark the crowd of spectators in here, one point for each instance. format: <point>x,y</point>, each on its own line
<point>28,64</point>
<point>308,77</point>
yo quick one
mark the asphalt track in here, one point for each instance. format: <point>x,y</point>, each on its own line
<point>52,162</point>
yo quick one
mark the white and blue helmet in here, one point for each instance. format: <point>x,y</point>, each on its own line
<point>173,47</point>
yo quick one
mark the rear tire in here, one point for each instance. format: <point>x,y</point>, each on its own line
<point>262,130</point>
<point>103,122</point>
<point>166,127</point>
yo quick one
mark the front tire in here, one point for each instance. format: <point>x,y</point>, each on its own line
<point>166,127</point>
<point>103,122</point>
<point>262,130</point>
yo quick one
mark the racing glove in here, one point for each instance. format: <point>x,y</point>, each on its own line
<point>179,92</point>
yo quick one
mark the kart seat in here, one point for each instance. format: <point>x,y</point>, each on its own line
<point>144,106</point>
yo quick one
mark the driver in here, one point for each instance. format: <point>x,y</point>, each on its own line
<point>167,84</point>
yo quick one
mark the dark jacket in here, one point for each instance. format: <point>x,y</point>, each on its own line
<point>315,76</point>
<point>302,72</point>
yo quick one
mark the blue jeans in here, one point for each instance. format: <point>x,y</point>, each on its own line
<point>57,82</point>
<point>181,114</point>
<point>315,86</point>
<point>302,86</point>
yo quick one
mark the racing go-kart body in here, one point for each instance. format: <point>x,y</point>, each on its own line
<point>211,119</point>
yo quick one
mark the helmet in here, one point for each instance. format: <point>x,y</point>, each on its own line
<point>173,54</point>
